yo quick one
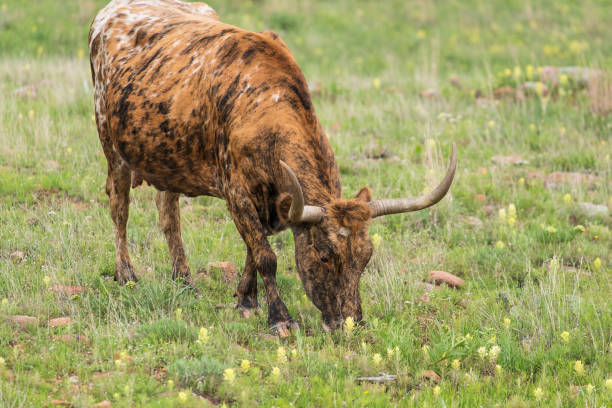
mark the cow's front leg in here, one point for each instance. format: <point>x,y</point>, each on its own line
<point>261,258</point>
<point>247,288</point>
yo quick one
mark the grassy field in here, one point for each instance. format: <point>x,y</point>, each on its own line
<point>394,84</point>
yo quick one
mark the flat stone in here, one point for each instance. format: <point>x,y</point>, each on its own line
<point>17,256</point>
<point>430,93</point>
<point>60,321</point>
<point>507,160</point>
<point>474,221</point>
<point>24,320</point>
<point>61,403</point>
<point>67,290</point>
<point>228,270</point>
<point>430,375</point>
<point>439,277</point>
<point>571,178</point>
<point>594,210</point>
<point>103,404</point>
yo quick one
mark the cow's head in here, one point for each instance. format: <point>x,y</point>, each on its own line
<point>332,244</point>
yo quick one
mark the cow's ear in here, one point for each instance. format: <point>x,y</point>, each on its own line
<point>364,195</point>
<point>283,204</point>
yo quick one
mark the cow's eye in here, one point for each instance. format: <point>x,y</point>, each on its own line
<point>324,259</point>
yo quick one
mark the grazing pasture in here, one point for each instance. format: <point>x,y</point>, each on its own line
<point>523,88</point>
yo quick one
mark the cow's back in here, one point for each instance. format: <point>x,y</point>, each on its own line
<point>170,80</point>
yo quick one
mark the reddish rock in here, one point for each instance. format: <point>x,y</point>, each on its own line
<point>454,80</point>
<point>103,404</point>
<point>228,269</point>
<point>17,256</point>
<point>430,93</point>
<point>430,375</point>
<point>69,338</point>
<point>67,290</point>
<point>440,277</point>
<point>571,178</point>
<point>24,320</point>
<point>60,321</point>
<point>504,92</point>
<point>61,403</point>
<point>506,160</point>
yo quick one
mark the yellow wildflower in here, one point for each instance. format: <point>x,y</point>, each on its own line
<point>178,313</point>
<point>2,362</point>
<point>182,396</point>
<point>565,336</point>
<point>563,79</point>
<point>521,181</point>
<point>498,368</point>
<point>376,240</point>
<point>376,83</point>
<point>203,335</point>
<point>597,264</point>
<point>46,280</point>
<point>294,354</point>
<point>281,356</point>
<point>80,53</point>
<point>349,325</point>
<point>421,34</point>
<point>170,384</point>
<point>579,228</point>
<point>532,127</point>
<point>491,124</point>
<point>436,390</point>
<point>539,88</point>
<point>389,352</point>
<point>551,229</point>
<point>494,353</point>
<point>562,130</point>
<point>579,367</point>
<point>538,393</point>
<point>456,364</point>
<point>275,374</point>
<point>608,384</point>
<point>499,244</point>
<point>507,72</point>
<point>567,198</point>
<point>502,215</point>
<point>245,365</point>
<point>229,375</point>
<point>589,388</point>
<point>482,352</point>
<point>376,358</point>
<point>529,72</point>
<point>507,322</point>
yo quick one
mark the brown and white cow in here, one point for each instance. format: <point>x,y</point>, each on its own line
<point>198,107</point>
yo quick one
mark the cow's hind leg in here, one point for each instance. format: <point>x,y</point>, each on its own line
<point>118,186</point>
<point>170,221</point>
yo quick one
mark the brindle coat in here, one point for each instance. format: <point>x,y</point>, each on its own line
<point>198,107</point>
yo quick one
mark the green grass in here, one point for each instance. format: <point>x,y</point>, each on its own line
<point>371,59</point>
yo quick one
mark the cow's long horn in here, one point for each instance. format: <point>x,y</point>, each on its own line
<point>298,212</point>
<point>400,205</point>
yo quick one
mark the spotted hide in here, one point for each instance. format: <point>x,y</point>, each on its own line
<point>195,106</point>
